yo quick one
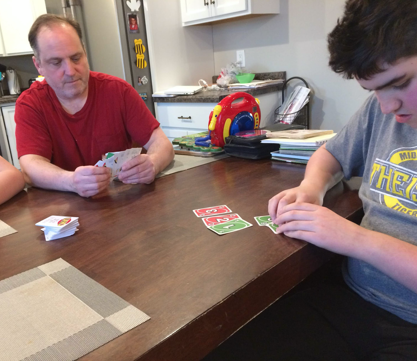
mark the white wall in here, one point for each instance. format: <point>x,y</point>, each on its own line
<point>294,41</point>
<point>179,55</point>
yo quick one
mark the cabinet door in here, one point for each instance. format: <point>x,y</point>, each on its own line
<point>16,18</point>
<point>223,7</point>
<point>8,115</point>
<point>195,10</point>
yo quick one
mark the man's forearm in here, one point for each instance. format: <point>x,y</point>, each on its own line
<point>39,172</point>
<point>160,150</point>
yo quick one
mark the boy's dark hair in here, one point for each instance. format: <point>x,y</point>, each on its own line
<point>48,20</point>
<point>372,33</point>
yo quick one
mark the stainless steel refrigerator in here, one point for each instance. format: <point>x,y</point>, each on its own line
<point>115,39</point>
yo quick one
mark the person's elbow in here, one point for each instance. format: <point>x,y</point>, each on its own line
<point>160,148</point>
<point>29,167</point>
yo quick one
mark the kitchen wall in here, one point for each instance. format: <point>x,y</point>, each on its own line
<point>179,55</point>
<point>295,41</point>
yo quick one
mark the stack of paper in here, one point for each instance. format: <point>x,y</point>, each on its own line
<point>293,154</point>
<point>56,227</point>
<point>256,84</point>
<point>297,150</point>
<point>307,142</point>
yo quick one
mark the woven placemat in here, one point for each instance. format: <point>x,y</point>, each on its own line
<point>55,312</point>
<point>5,229</point>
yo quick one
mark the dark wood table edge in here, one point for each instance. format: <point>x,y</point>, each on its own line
<point>217,324</point>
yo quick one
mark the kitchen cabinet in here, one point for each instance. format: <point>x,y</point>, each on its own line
<point>16,18</point>
<point>202,11</point>
<point>178,119</point>
<point>8,128</point>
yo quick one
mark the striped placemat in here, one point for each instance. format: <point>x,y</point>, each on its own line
<point>55,312</point>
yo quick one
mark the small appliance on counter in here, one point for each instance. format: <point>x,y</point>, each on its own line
<point>12,81</point>
<point>32,80</point>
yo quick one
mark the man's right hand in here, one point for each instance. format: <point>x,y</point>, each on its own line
<point>88,181</point>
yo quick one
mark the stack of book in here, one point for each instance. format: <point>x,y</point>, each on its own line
<point>297,146</point>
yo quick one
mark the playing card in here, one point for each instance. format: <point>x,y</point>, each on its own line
<point>100,163</point>
<point>273,227</point>
<point>209,211</point>
<point>212,221</point>
<point>267,221</point>
<point>231,226</point>
<point>115,160</point>
<point>58,222</point>
<point>263,220</point>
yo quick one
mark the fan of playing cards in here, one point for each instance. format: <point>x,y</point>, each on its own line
<point>115,160</point>
<point>56,227</point>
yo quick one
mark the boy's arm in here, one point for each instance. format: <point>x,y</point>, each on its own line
<point>299,214</point>
<point>324,228</point>
<point>323,172</point>
<point>11,180</point>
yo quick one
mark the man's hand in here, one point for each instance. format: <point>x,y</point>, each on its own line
<point>138,170</point>
<point>89,180</point>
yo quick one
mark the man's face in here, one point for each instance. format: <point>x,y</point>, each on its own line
<point>396,90</point>
<point>63,62</point>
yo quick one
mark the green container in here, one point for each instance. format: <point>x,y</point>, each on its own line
<point>245,77</point>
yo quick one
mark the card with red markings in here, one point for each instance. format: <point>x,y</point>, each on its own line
<point>210,211</point>
<point>215,220</point>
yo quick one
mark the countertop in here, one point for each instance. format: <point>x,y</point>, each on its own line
<point>8,99</point>
<point>214,96</point>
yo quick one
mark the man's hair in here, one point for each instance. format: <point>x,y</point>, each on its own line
<point>49,20</point>
<point>372,33</point>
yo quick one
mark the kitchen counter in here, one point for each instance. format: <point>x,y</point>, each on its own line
<point>8,99</point>
<point>189,114</point>
<point>215,96</point>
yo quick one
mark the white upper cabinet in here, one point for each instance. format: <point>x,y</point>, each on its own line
<point>204,11</point>
<point>16,18</point>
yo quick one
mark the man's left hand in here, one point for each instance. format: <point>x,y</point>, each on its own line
<point>138,170</point>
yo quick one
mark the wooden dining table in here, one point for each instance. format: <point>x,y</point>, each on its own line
<point>145,244</point>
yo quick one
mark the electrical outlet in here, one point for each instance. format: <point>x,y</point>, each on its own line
<point>240,57</point>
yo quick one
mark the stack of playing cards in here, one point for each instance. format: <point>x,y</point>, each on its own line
<point>219,221</point>
<point>115,160</point>
<point>58,226</point>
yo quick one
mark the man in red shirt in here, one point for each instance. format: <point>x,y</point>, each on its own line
<point>66,122</point>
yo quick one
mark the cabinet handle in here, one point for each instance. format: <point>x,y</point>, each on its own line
<point>185,118</point>
<point>206,3</point>
<point>212,2</point>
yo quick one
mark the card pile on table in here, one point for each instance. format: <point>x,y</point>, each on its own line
<point>115,160</point>
<point>56,227</point>
<point>219,221</point>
